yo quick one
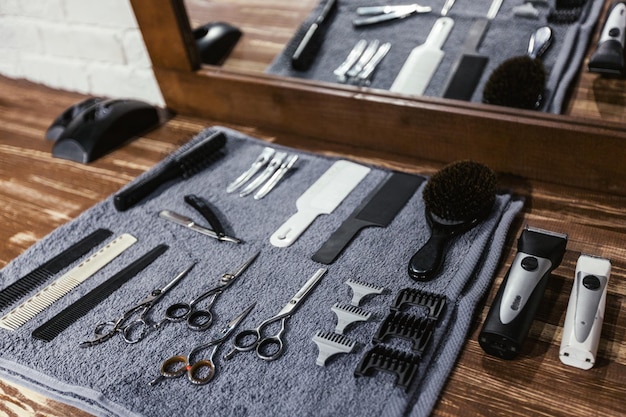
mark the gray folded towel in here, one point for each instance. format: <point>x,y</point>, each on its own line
<point>112,378</point>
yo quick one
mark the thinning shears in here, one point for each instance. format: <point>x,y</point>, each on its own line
<point>202,371</point>
<point>202,319</point>
<point>135,330</point>
<point>271,347</point>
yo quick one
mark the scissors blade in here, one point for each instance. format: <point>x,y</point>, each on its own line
<point>228,278</point>
<point>177,278</point>
<point>302,293</point>
<point>232,325</point>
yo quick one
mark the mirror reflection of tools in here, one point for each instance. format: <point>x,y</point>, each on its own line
<point>136,330</point>
<point>202,371</point>
<point>271,347</point>
<point>202,319</point>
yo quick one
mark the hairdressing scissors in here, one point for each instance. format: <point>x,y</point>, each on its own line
<point>202,371</point>
<point>136,330</point>
<point>202,319</point>
<point>271,347</point>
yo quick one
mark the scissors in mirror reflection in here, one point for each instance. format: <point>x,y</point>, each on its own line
<point>135,330</point>
<point>202,319</point>
<point>202,371</point>
<point>271,347</point>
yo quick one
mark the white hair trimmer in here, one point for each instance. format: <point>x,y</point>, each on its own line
<point>585,312</point>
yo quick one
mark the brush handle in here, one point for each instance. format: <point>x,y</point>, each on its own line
<point>142,188</point>
<point>428,260</point>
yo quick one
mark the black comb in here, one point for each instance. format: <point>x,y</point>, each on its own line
<point>406,326</point>
<point>380,358</point>
<point>188,163</point>
<point>38,276</point>
<point>53,327</point>
<point>435,303</point>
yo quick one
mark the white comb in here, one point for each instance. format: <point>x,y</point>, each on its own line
<point>362,289</point>
<point>330,344</point>
<point>21,314</point>
<point>348,314</point>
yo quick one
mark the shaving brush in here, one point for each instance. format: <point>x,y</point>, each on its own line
<point>520,81</point>
<point>456,198</point>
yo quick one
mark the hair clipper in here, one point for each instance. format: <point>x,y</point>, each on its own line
<point>513,310</point>
<point>608,58</point>
<point>585,312</point>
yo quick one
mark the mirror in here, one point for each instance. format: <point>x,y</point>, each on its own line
<point>530,144</point>
<point>269,26</point>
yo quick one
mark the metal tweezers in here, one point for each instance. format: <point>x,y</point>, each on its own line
<point>377,14</point>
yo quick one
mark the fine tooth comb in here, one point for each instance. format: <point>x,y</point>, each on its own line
<point>23,313</point>
<point>435,303</point>
<point>362,289</point>
<point>38,276</point>
<point>406,326</point>
<point>386,359</point>
<point>330,344</point>
<point>348,314</point>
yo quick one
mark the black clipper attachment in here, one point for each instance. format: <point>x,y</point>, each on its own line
<point>433,302</point>
<point>386,359</point>
<point>417,330</point>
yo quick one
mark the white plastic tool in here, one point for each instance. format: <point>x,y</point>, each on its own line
<point>362,289</point>
<point>423,61</point>
<point>330,344</point>
<point>585,312</point>
<point>348,314</point>
<point>321,198</point>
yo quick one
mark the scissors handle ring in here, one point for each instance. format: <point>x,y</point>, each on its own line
<point>247,340</point>
<point>178,312</point>
<point>171,367</point>
<point>270,348</point>
<point>200,320</point>
<point>196,368</point>
<point>135,331</point>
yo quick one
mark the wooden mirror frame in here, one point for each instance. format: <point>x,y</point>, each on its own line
<point>539,146</point>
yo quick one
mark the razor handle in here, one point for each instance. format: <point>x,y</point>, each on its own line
<point>519,297</point>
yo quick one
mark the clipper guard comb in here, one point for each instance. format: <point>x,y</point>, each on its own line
<point>435,303</point>
<point>417,330</point>
<point>380,358</point>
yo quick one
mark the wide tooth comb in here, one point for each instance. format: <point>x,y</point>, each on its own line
<point>348,314</point>
<point>380,358</point>
<point>330,344</point>
<point>362,289</point>
<point>405,326</point>
<point>435,303</point>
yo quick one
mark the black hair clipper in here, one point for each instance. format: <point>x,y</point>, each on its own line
<point>513,310</point>
<point>609,56</point>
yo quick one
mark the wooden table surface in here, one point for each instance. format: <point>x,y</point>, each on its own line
<point>40,193</point>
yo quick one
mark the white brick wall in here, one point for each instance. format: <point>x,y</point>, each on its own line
<point>88,46</point>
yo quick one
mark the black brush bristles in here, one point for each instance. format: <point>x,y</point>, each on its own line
<point>518,82</point>
<point>184,165</point>
<point>461,192</point>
